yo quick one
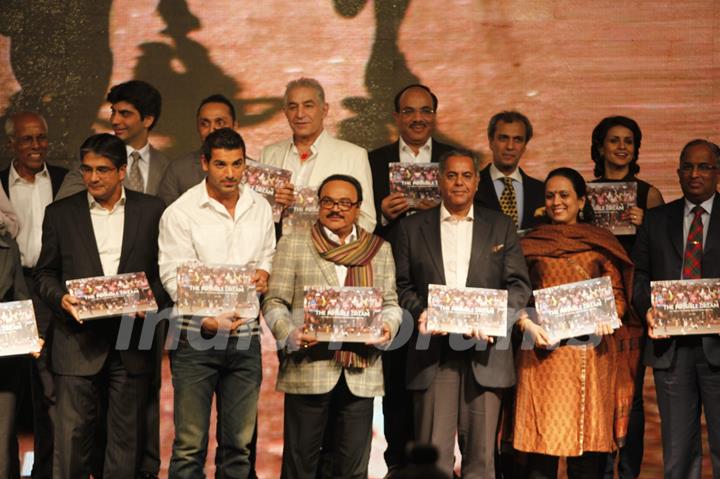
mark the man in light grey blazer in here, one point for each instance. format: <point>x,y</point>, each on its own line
<point>312,154</point>
<point>135,110</point>
<point>329,391</point>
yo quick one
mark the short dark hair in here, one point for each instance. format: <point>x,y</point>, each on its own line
<point>217,98</point>
<point>143,96</point>
<point>346,179</point>
<point>442,161</point>
<point>415,85</point>
<point>106,145</point>
<point>714,149</point>
<point>598,138</point>
<point>580,187</point>
<point>222,139</point>
<point>510,117</point>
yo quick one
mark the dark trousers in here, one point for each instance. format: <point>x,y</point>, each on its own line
<point>150,462</point>
<point>42,385</point>
<point>307,416</point>
<point>683,390</point>
<point>77,414</point>
<point>590,465</point>
<point>397,408</point>
<point>13,370</point>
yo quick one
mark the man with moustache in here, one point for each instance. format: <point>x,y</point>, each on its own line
<point>135,110</point>
<point>31,185</point>
<point>103,231</point>
<point>504,186</point>
<point>457,382</point>
<point>415,114</point>
<point>681,240</point>
<point>214,112</point>
<point>329,391</point>
<point>218,221</point>
<point>311,153</point>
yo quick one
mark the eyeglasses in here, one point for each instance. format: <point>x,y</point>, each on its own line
<point>100,170</point>
<point>424,111</point>
<point>344,204</point>
<point>702,168</point>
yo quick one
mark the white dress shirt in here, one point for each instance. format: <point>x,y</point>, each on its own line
<point>302,169</point>
<point>456,239</point>
<point>29,200</point>
<point>108,226</point>
<point>407,155</point>
<point>688,216</point>
<point>144,162</point>
<point>197,227</point>
<point>497,177</point>
<point>341,270</point>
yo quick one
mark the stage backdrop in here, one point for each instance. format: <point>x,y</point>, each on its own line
<point>566,64</point>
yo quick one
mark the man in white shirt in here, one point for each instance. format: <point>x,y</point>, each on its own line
<point>135,110</point>
<point>457,382</point>
<point>103,231</point>
<point>31,185</point>
<point>216,222</point>
<point>311,153</point>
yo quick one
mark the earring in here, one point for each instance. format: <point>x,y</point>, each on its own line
<point>581,215</point>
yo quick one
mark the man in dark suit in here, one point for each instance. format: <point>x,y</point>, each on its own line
<point>681,240</point>
<point>105,231</point>
<point>504,186</point>
<point>415,113</point>
<point>31,185</point>
<point>135,110</point>
<point>457,380</point>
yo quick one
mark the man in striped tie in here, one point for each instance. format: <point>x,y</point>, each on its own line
<point>681,240</point>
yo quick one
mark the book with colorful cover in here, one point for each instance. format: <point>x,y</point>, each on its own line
<point>18,329</point>
<point>417,181</point>
<point>264,179</point>
<point>463,310</point>
<point>208,290</point>
<point>690,306</point>
<point>610,202</point>
<point>576,309</point>
<point>346,314</point>
<point>303,213</point>
<point>107,296</point>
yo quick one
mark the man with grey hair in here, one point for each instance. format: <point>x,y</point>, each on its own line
<point>457,382</point>
<point>311,153</point>
<point>31,185</point>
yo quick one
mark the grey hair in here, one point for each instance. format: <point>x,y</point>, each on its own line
<point>307,83</point>
<point>10,121</point>
<point>459,152</point>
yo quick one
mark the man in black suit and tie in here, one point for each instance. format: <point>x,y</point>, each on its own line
<point>415,113</point>
<point>681,240</point>
<point>504,186</point>
<point>457,380</point>
<point>31,185</point>
<point>105,231</point>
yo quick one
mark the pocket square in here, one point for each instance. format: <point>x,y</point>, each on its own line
<point>497,248</point>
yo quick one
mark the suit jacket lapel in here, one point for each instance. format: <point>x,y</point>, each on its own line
<point>528,211</point>
<point>675,226</point>
<point>130,226</point>
<point>430,231</point>
<point>86,233</point>
<point>326,267</point>
<point>480,244</point>
<point>486,191</point>
<point>713,232</point>
<point>153,173</point>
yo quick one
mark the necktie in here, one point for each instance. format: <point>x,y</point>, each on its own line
<point>134,180</point>
<point>508,203</point>
<point>692,262</point>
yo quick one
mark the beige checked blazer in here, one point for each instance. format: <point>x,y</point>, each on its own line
<point>314,371</point>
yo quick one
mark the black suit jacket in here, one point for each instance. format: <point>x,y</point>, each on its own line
<point>533,196</point>
<point>380,160</point>
<point>658,255</point>
<point>57,175</point>
<point>496,261</point>
<point>69,251</point>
